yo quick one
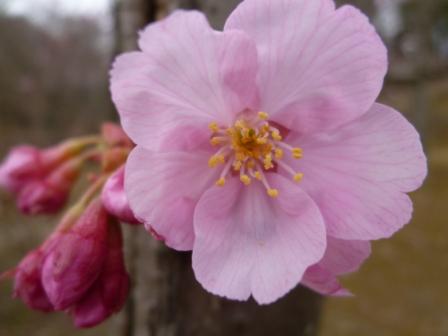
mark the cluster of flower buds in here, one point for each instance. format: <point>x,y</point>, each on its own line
<point>79,269</point>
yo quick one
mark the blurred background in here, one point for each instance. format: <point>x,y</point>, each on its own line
<point>54,62</point>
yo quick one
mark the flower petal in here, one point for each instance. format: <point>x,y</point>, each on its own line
<point>186,71</point>
<point>248,243</point>
<point>344,256</point>
<point>324,282</point>
<point>163,189</point>
<point>319,68</point>
<point>358,174</point>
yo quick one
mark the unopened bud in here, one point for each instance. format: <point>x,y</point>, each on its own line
<point>22,165</point>
<point>109,292</point>
<point>27,282</point>
<point>115,200</point>
<point>76,258</point>
<point>49,195</point>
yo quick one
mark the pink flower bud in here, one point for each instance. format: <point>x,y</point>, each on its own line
<point>27,282</point>
<point>109,292</point>
<point>26,164</point>
<point>115,136</point>
<point>115,200</point>
<point>22,165</point>
<point>49,195</point>
<point>75,259</point>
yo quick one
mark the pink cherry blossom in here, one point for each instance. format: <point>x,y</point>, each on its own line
<point>261,148</point>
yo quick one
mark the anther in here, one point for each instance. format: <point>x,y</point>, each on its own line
<point>272,192</point>
<point>215,141</point>
<point>263,115</point>
<point>213,127</point>
<point>278,153</point>
<point>297,153</point>
<point>298,177</point>
<point>276,135</point>
<point>245,179</point>
<point>221,182</point>
<point>216,160</point>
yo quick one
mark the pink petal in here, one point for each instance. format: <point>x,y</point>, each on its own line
<point>250,244</point>
<point>163,189</point>
<point>186,74</point>
<point>358,174</point>
<point>319,68</point>
<point>324,282</point>
<point>344,256</point>
<point>341,257</point>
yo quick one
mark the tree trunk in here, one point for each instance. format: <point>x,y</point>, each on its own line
<point>166,300</point>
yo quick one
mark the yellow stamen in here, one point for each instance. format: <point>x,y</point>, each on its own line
<point>262,141</point>
<point>273,193</point>
<point>213,127</point>
<point>237,165</point>
<point>297,153</point>
<point>258,176</point>
<point>245,179</point>
<point>250,164</point>
<point>298,177</point>
<point>263,115</point>
<point>240,156</point>
<point>215,141</point>
<point>221,182</point>
<point>268,162</point>
<point>216,160</point>
<point>276,135</point>
<point>278,154</point>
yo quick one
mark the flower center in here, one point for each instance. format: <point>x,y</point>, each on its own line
<point>251,148</point>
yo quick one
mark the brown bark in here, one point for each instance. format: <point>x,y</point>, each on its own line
<point>166,300</point>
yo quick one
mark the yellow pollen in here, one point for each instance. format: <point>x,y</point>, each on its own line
<point>213,127</point>
<point>240,156</point>
<point>268,162</point>
<point>250,164</point>
<point>263,115</point>
<point>221,182</point>
<point>298,177</point>
<point>278,154</point>
<point>273,193</point>
<point>237,165</point>
<point>249,148</point>
<point>276,136</point>
<point>216,160</point>
<point>245,179</point>
<point>297,153</point>
<point>215,141</point>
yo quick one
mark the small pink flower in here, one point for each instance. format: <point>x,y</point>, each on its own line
<point>75,258</point>
<point>257,143</point>
<point>27,282</point>
<point>115,200</point>
<point>49,194</point>
<point>109,292</point>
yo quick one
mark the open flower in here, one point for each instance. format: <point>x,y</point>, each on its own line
<point>259,146</point>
